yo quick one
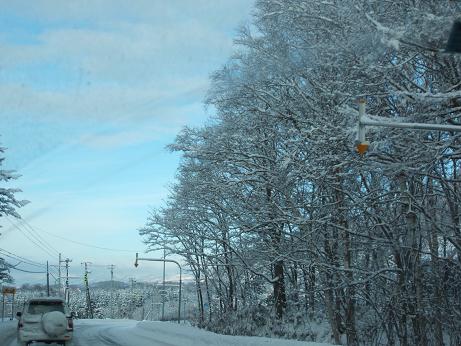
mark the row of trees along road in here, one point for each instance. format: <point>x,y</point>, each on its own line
<point>272,208</point>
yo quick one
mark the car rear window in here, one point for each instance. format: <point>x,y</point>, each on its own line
<point>42,307</point>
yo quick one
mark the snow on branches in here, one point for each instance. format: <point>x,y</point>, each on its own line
<point>272,208</point>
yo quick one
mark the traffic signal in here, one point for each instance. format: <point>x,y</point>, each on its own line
<point>362,148</point>
<point>361,144</point>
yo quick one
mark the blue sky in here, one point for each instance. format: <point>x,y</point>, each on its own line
<point>90,94</point>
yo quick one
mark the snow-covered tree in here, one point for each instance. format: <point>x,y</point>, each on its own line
<point>8,201</point>
<point>274,210</point>
<point>4,272</point>
<point>8,206</point>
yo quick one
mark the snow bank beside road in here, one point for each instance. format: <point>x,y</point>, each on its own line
<point>134,333</point>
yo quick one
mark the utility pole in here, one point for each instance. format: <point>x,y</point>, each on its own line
<point>152,305</point>
<point>111,267</point>
<point>89,309</point>
<point>133,297</point>
<point>47,280</point>
<point>59,275</point>
<point>66,292</point>
<point>66,261</point>
<point>132,282</point>
<point>67,272</point>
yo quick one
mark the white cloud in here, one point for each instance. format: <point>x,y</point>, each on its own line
<point>218,12</point>
<point>129,59</point>
<point>108,63</point>
<point>136,42</point>
<point>98,101</point>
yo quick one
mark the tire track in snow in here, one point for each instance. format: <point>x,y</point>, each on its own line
<point>92,334</point>
<point>8,333</point>
<point>137,337</point>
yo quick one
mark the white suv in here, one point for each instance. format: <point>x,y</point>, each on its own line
<point>45,320</point>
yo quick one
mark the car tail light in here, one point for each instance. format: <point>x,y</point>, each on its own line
<point>70,324</point>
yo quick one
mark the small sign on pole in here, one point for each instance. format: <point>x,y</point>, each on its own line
<point>5,291</point>
<point>9,290</point>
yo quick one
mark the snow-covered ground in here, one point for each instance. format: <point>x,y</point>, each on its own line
<point>135,333</point>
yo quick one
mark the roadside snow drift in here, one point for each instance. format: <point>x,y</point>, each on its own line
<point>134,333</point>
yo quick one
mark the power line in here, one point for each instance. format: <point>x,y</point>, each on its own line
<point>39,236</point>
<point>18,259</point>
<point>28,261</point>
<point>88,245</point>
<point>100,265</point>
<point>43,244</point>
<point>28,237</point>
<point>24,260</point>
<point>26,271</point>
<point>15,267</point>
<point>33,233</point>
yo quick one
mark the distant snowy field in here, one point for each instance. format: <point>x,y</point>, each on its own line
<point>135,333</point>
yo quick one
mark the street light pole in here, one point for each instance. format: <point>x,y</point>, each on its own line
<point>362,144</point>
<point>414,126</point>
<point>453,46</point>
<point>180,275</point>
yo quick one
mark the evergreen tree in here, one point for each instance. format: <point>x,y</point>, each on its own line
<point>4,272</point>
<point>8,201</point>
<point>8,206</point>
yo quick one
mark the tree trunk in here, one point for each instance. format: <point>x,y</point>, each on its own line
<point>199,299</point>
<point>434,248</point>
<point>311,292</point>
<point>330,298</point>
<point>279,289</point>
<point>349,294</point>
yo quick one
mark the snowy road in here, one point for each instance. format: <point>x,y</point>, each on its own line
<point>135,333</point>
<point>8,333</point>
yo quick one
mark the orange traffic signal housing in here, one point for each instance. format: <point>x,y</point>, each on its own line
<point>362,147</point>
